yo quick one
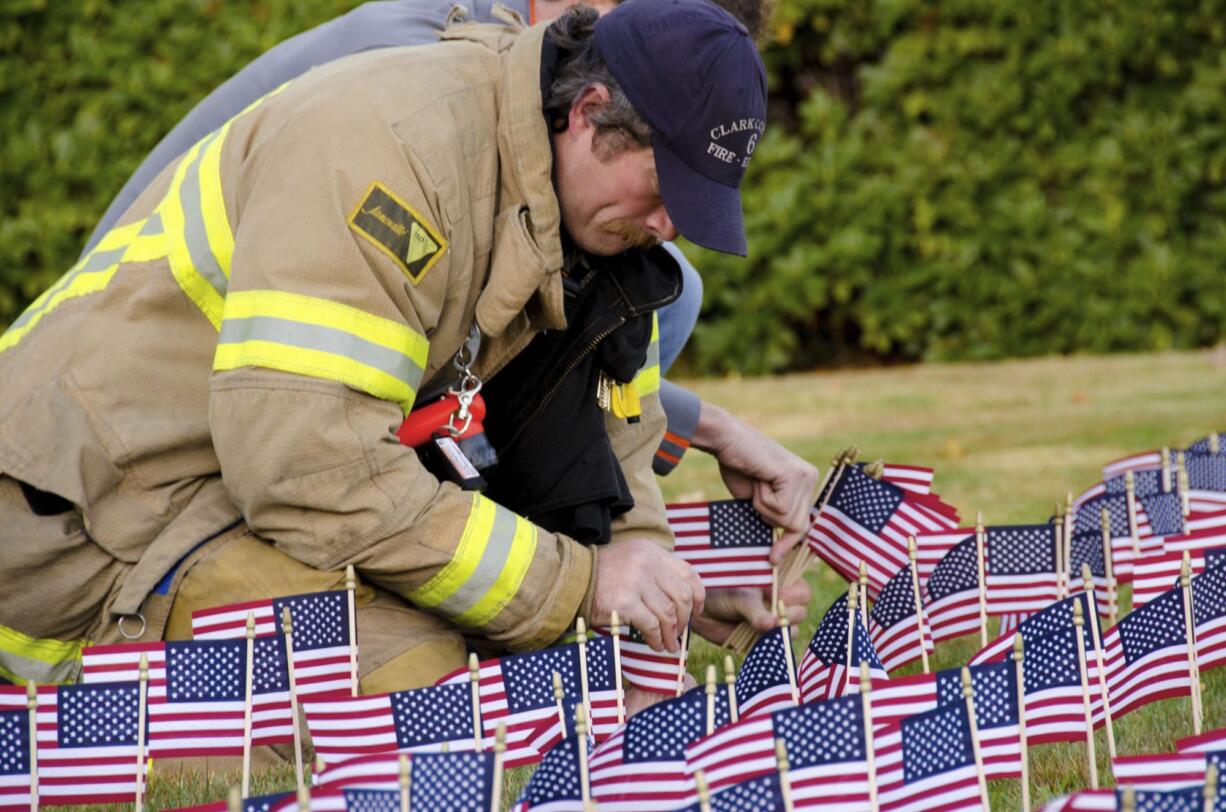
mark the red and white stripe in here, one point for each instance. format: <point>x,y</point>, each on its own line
<point>1158,675</point>
<point>716,566</point>
<point>1142,461</point>
<point>953,790</point>
<point>1087,800</point>
<point>317,672</point>
<point>189,729</point>
<point>374,771</point>
<point>1207,742</point>
<point>74,775</point>
<point>1156,574</point>
<point>954,615</point>
<point>930,548</point>
<point>646,668</point>
<point>1160,771</point>
<point>900,644</point>
<point>344,727</point>
<point>944,514</point>
<point>914,478</point>
<point>639,787</point>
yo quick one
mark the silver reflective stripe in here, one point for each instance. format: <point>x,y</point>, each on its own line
<point>493,559</point>
<point>15,667</point>
<point>195,234</point>
<point>324,339</point>
<point>97,261</point>
<point>152,226</point>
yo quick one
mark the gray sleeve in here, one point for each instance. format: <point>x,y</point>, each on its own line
<point>369,26</point>
<point>682,408</point>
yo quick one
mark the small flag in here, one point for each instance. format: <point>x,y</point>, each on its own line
<point>893,625</point>
<point>373,771</point>
<point>1145,655</point>
<point>556,783</point>
<point>644,667</point>
<point>953,592</point>
<point>727,543</point>
<point>764,684</point>
<point>15,759</point>
<point>1057,616</point>
<point>1020,568</point>
<point>761,794</point>
<point>823,671</point>
<point>928,758</point>
<point>463,782</point>
<point>1166,771</point>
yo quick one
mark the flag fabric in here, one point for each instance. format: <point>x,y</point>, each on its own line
<point>1154,800</point>
<point>642,766</point>
<point>1142,461</point>
<point>823,672</point>
<point>1086,548</point>
<point>373,771</point>
<point>1209,618</point>
<point>726,542</point>
<point>1166,771</point>
<point>1058,615</point>
<point>761,794</point>
<point>826,750</point>
<point>371,800</point>
<point>953,593</point>
<point>321,635</point>
<point>1088,520</point>
<point>602,698</point>
<point>556,785</point>
<point>1156,574</point>
<point>86,739</point>
<point>893,626</point>
<point>1087,800</point>
<point>1051,677</point>
<point>1020,568</point>
<point>867,520</point>
<point>764,683</point>
<point>1206,472</point>
<point>1145,655</point>
<point>15,759</point>
<point>943,515</point>
<point>197,691</point>
<point>420,720</point>
<point>1206,742</point>
<point>930,548</point>
<point>927,761</point>
<point>457,782</point>
<point>644,667</point>
<point>1205,444</point>
<point>914,478</point>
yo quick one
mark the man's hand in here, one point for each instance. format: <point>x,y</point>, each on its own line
<point>727,608</point>
<point>650,588</point>
<point>781,485</point>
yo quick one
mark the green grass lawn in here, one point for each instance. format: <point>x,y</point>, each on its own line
<point>1008,439</point>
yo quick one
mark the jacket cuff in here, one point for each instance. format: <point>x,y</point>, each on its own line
<point>576,581</point>
<point>683,409</point>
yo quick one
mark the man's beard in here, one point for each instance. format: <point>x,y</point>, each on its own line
<point>632,235</point>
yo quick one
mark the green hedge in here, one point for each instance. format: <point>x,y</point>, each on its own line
<point>959,179</point>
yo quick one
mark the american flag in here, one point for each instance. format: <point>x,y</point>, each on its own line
<point>1153,800</point>
<point>1205,444</point>
<point>867,520</point>
<point>86,741</point>
<point>14,759</point>
<point>1209,617</point>
<point>930,548</point>
<point>953,592</point>
<point>1087,800</point>
<point>823,672</point>
<point>642,766</point>
<point>1056,616</point>
<point>458,782</point>
<point>197,690</point>
<point>420,720</point>
<point>764,683</point>
<point>556,785</point>
<point>927,761</point>
<point>995,687</point>
<point>1206,742</point>
<point>1087,548</point>
<point>371,800</point>
<point>321,635</point>
<point>826,753</point>
<point>1206,472</point>
<point>644,667</point>
<point>726,543</point>
<point>1167,771</point>
<point>1089,520</point>
<point>761,794</point>
<point>1156,574</point>
<point>1051,678</point>
<point>602,697</point>
<point>1145,655</point>
<point>943,514</point>
<point>912,478</point>
<point>373,771</point>
<point>1020,568</point>
<point>893,626</point>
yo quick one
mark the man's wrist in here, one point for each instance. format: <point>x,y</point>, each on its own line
<point>712,431</point>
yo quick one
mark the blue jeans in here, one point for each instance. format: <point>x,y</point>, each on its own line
<point>677,320</point>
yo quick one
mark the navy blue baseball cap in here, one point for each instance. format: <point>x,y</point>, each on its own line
<point>693,73</point>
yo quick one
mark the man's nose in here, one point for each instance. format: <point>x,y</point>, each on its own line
<point>661,225</point>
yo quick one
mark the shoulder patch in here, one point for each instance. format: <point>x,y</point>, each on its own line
<point>396,229</point>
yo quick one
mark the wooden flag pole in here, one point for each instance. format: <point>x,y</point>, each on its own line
<point>304,800</point>
<point>919,602</point>
<point>1165,456</point>
<point>1091,757</point>
<point>785,632</point>
<point>1020,671</point>
<point>32,707</point>
<point>581,641</point>
<point>730,684</point>
<point>853,594</point>
<point>1128,799</point>
<point>234,803</point>
<point>1185,583</point>
<point>288,628</point>
<point>1210,786</point>
<point>247,704</point>
<point>710,699</point>
<point>617,668</point>
<point>785,782</point>
<point>351,588</point>
<point>775,580</point>
<point>500,749</point>
<point>1130,496</point>
<point>968,691</point>
<point>1181,477</point>
<point>585,783</point>
<point>474,682</point>
<point>1069,524</point>
<point>558,693</point>
<point>1215,443</point>
<point>1088,580</point>
<point>870,758</point>
<point>406,785</point>
<point>685,656</point>
<point>141,710</point>
<point>704,795</point>
<point>1062,574</point>
<point>980,540</point>
<point>864,593</point>
<point>1109,568</point>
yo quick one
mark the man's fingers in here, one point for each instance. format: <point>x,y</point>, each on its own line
<point>664,611</point>
<point>784,544</point>
<point>648,625</point>
<point>686,573</point>
<point>681,594</point>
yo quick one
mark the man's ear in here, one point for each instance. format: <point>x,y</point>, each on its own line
<point>593,97</point>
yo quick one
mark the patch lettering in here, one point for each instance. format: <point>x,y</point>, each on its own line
<point>396,229</point>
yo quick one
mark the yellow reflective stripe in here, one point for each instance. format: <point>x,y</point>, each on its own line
<point>45,661</point>
<point>301,334</point>
<point>194,286</point>
<point>647,381</point>
<point>488,566</point>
